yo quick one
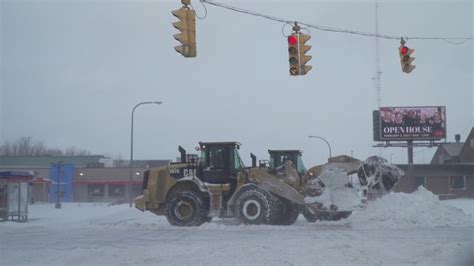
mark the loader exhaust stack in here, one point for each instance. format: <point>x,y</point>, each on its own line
<point>183,154</point>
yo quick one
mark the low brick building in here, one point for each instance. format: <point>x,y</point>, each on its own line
<point>92,181</point>
<point>450,173</point>
<point>105,184</point>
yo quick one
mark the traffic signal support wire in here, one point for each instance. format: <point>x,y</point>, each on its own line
<point>450,40</point>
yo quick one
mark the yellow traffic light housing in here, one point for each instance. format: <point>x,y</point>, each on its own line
<point>297,49</point>
<point>293,56</point>
<point>405,57</point>
<point>187,27</point>
<point>303,49</point>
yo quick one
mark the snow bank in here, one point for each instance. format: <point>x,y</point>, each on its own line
<point>400,210</point>
<point>466,205</point>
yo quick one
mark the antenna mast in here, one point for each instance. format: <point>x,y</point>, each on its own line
<point>378,73</point>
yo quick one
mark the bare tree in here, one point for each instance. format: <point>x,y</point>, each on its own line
<point>74,151</point>
<point>25,146</point>
<point>38,148</point>
<point>53,152</point>
<point>6,149</point>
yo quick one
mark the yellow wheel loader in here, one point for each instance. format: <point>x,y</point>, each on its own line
<point>217,184</point>
<point>191,192</point>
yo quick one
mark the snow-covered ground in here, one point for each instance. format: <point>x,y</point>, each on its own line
<point>399,229</point>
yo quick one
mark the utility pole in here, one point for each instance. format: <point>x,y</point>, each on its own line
<point>378,72</point>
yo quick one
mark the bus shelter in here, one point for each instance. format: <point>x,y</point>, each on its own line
<point>14,195</point>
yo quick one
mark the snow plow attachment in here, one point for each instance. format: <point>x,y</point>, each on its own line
<point>330,195</point>
<point>378,176</point>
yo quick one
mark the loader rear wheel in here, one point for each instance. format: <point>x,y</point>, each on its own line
<point>256,206</point>
<point>187,208</point>
<point>289,213</point>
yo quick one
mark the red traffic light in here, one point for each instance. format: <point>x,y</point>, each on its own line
<point>404,50</point>
<point>292,39</point>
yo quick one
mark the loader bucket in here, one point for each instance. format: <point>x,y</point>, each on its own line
<point>346,163</point>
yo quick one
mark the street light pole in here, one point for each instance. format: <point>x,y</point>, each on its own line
<point>131,150</point>
<point>58,204</point>
<point>323,139</point>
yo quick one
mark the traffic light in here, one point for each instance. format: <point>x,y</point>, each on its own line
<point>297,53</point>
<point>293,55</point>
<point>406,59</point>
<point>303,49</point>
<point>187,26</point>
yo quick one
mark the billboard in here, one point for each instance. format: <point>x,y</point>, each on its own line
<point>412,123</point>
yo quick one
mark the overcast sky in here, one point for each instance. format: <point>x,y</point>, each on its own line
<point>72,71</point>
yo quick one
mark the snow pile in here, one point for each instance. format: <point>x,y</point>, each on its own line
<point>400,210</point>
<point>335,191</point>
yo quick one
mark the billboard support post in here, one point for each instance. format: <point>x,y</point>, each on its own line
<point>410,151</point>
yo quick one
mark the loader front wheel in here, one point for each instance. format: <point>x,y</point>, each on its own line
<point>317,216</point>
<point>310,217</point>
<point>341,215</point>
<point>256,206</point>
<point>187,208</point>
<point>289,213</point>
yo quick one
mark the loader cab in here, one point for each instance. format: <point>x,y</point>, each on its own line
<point>219,162</point>
<point>278,158</point>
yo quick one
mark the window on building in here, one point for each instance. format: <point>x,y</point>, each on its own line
<point>117,190</point>
<point>457,182</point>
<point>420,181</point>
<point>96,190</point>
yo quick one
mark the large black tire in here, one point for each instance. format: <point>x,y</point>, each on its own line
<point>318,216</point>
<point>325,216</point>
<point>289,213</point>
<point>341,215</point>
<point>256,206</point>
<point>309,216</point>
<point>187,208</point>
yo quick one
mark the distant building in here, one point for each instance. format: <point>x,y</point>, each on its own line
<point>450,173</point>
<point>448,153</point>
<point>94,178</point>
<point>40,161</point>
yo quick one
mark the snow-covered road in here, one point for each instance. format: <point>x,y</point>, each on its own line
<point>92,234</point>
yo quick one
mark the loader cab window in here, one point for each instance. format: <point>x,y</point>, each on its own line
<point>219,164</point>
<point>300,167</point>
<point>203,159</point>
<point>236,160</point>
<point>282,159</point>
<point>279,159</point>
<point>216,158</point>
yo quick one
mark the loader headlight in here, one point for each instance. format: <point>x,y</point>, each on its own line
<point>311,173</point>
